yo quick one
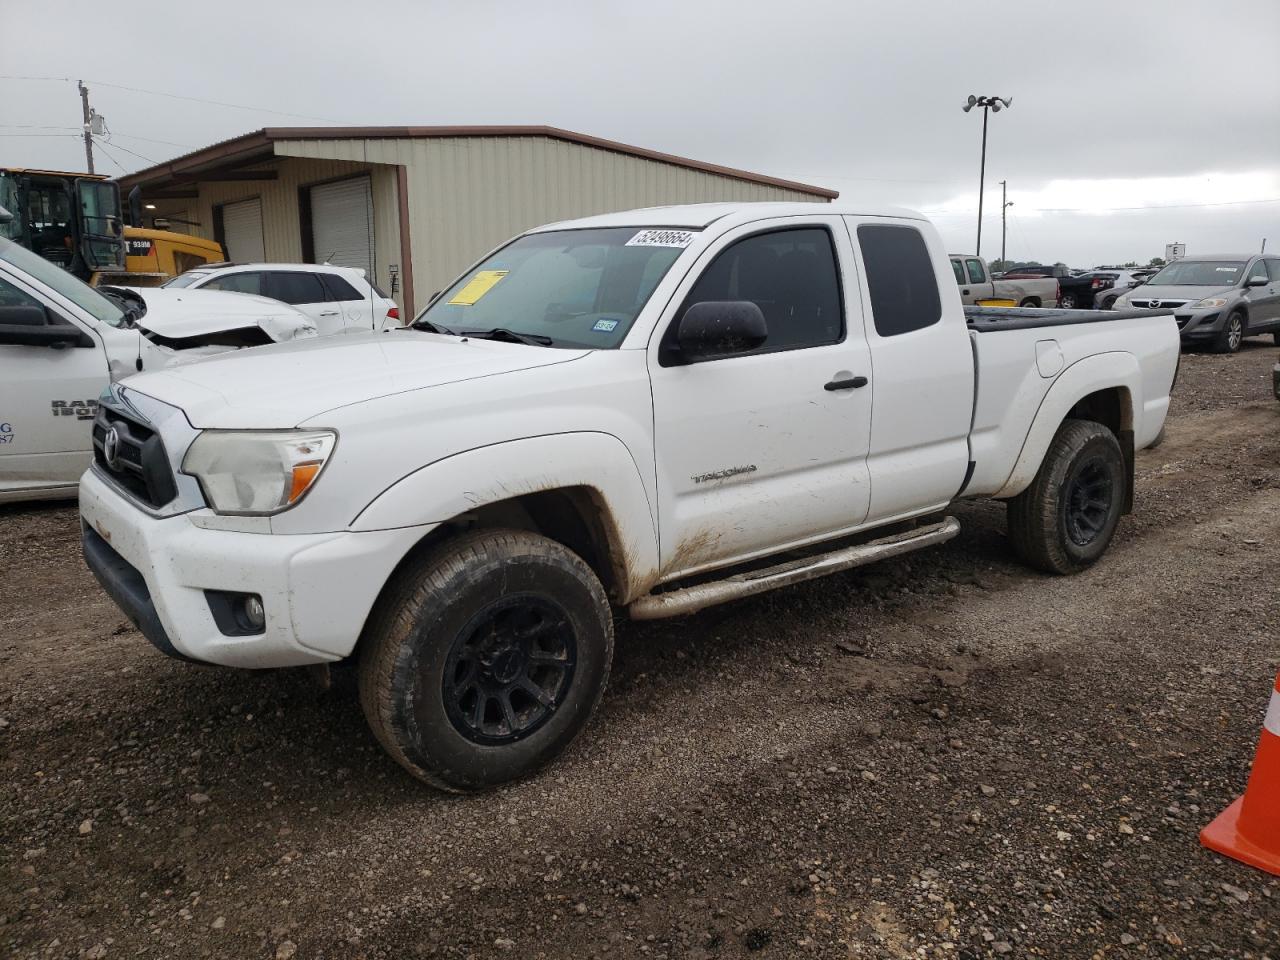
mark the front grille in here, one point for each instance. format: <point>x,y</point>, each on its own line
<point>1158,304</point>
<point>139,465</point>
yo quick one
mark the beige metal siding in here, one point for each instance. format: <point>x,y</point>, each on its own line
<point>281,223</point>
<point>468,194</point>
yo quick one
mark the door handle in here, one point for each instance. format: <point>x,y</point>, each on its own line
<point>329,313</point>
<point>965,292</point>
<point>851,384</point>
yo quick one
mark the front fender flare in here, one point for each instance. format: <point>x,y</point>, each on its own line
<point>1102,371</point>
<point>462,482</point>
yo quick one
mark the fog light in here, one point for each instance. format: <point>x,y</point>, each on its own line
<point>254,615</point>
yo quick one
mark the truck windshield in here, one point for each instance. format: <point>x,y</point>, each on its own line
<point>564,288</point>
<point>53,276</point>
<point>1199,273</point>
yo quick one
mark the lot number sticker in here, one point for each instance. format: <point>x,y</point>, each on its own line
<point>661,238</point>
<point>477,287</point>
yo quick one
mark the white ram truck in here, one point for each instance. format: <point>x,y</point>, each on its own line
<point>650,411</point>
<point>62,342</point>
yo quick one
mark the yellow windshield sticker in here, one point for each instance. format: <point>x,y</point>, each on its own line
<point>477,287</point>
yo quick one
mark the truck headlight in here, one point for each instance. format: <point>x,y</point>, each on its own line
<point>257,471</point>
<point>1209,302</point>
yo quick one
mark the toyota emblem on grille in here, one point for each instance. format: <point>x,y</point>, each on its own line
<point>111,449</point>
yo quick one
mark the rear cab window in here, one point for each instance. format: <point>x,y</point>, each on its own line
<point>900,280</point>
<point>976,272</point>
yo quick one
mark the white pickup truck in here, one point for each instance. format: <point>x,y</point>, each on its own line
<point>62,342</point>
<point>974,280</point>
<point>652,411</point>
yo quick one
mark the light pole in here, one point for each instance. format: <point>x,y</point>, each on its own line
<point>986,103</point>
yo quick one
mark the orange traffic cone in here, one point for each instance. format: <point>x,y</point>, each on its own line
<point>1249,829</point>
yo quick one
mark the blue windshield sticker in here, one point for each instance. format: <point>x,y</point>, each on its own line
<point>605,326</point>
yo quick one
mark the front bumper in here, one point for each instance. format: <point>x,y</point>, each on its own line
<point>317,589</point>
<point>1196,325</point>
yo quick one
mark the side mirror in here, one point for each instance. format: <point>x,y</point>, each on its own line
<point>1257,282</point>
<point>31,326</point>
<point>720,328</point>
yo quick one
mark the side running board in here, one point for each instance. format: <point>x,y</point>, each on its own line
<point>689,599</point>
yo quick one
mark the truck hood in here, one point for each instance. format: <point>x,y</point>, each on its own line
<point>1148,292</point>
<point>181,315</point>
<point>284,385</point>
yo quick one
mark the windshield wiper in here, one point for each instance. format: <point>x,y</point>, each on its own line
<point>429,327</point>
<point>510,336</point>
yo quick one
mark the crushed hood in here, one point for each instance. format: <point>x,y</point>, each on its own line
<point>284,385</point>
<point>179,314</point>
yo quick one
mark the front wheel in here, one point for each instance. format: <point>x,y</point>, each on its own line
<point>1065,520</point>
<point>1231,335</point>
<point>482,662</point>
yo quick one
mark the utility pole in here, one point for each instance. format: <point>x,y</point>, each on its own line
<point>88,135</point>
<point>1004,211</point>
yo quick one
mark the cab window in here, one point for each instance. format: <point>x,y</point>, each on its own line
<point>976,273</point>
<point>790,275</point>
<point>958,270</point>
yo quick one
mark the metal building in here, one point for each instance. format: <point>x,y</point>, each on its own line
<point>417,205</point>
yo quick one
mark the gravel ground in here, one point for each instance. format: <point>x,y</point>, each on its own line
<point>941,756</point>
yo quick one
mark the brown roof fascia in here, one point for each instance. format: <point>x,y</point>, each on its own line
<point>181,166</point>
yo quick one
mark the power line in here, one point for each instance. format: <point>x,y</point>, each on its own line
<point>111,156</point>
<point>130,152</point>
<point>1150,206</point>
<point>216,103</point>
<point>178,96</point>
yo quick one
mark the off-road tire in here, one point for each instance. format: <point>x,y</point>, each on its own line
<point>406,646</point>
<point>1224,341</point>
<point>1039,528</point>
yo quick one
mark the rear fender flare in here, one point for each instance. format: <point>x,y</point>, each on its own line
<point>453,486</point>
<point>1101,371</point>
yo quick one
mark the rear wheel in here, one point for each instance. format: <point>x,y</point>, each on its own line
<point>1067,301</point>
<point>1065,520</point>
<point>485,660</point>
<point>1232,334</point>
<point>1030,302</point>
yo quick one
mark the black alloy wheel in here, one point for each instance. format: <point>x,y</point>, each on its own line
<point>509,669</point>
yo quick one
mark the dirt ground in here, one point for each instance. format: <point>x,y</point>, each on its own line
<point>941,756</point>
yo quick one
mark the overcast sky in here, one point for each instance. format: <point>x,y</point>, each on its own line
<point>1170,105</point>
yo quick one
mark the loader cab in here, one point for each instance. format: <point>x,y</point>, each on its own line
<point>73,220</point>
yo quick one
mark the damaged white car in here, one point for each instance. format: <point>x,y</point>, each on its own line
<point>62,342</point>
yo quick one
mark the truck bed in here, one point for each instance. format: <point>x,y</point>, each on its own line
<point>1016,371</point>
<point>988,319</point>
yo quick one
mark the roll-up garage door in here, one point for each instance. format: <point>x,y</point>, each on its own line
<point>242,231</point>
<point>342,223</point>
